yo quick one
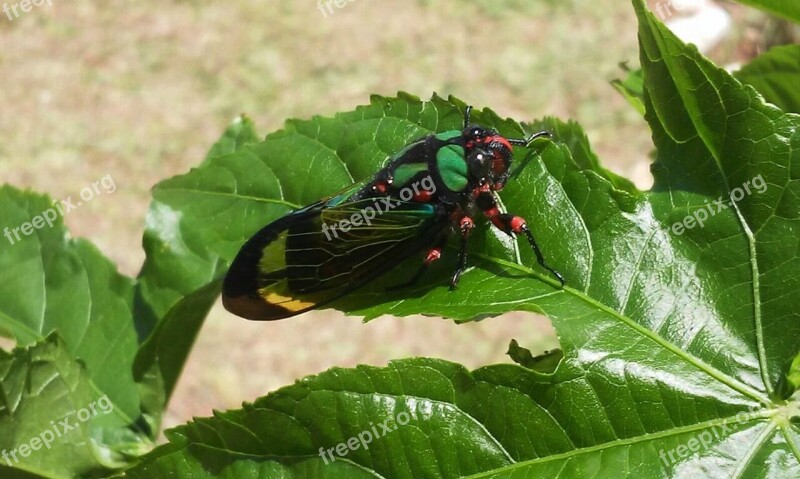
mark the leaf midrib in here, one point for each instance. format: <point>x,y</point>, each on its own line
<point>720,376</point>
<point>715,154</point>
<point>231,195</point>
<point>624,442</point>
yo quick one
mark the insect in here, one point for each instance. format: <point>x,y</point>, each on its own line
<point>425,193</point>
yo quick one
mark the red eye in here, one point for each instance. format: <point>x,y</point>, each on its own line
<point>498,165</point>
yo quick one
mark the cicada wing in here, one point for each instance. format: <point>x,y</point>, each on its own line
<point>315,255</point>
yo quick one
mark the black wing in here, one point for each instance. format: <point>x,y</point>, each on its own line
<point>300,261</point>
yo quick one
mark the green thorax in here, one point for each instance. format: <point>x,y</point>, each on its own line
<point>452,165</point>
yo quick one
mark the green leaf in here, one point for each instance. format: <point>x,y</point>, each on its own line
<point>676,340</point>
<point>543,363</point>
<point>179,260</point>
<point>784,8</point>
<point>776,75</point>
<point>632,88</point>
<point>571,135</point>
<point>794,373</point>
<point>739,254</point>
<point>51,283</point>
<point>53,421</point>
<point>441,421</point>
<point>179,283</point>
<point>162,356</point>
<point>240,132</point>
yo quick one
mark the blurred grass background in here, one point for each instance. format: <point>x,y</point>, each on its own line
<point>140,91</point>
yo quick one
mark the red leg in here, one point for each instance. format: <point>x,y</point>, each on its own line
<point>511,224</point>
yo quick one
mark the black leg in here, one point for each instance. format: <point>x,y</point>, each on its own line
<point>462,262</point>
<point>529,139</point>
<point>466,224</point>
<point>467,114</point>
<point>527,232</point>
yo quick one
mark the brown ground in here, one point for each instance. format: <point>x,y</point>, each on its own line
<point>140,91</point>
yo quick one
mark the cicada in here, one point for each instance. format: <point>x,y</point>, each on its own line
<point>428,191</point>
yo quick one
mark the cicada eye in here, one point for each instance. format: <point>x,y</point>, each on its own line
<point>499,165</point>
